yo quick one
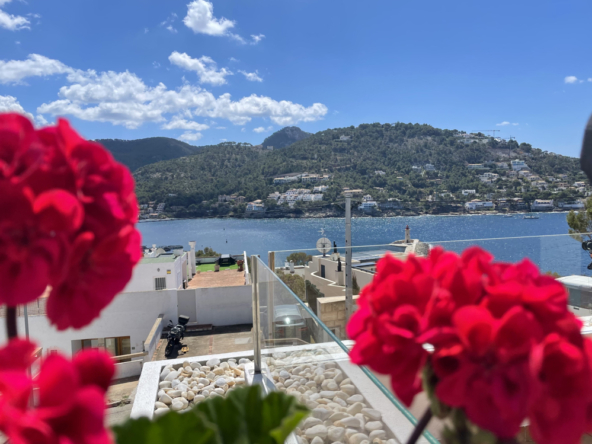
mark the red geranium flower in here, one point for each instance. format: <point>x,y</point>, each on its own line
<point>71,224</point>
<point>505,346</point>
<point>71,397</point>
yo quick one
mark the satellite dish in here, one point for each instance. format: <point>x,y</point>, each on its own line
<point>324,245</point>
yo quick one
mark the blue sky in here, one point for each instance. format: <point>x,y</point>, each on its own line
<point>236,70</point>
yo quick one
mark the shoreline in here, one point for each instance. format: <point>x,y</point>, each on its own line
<point>309,216</point>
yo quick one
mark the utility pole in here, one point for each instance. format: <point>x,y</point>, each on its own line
<point>348,259</point>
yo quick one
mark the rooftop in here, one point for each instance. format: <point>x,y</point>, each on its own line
<point>163,258</point>
<point>223,278</point>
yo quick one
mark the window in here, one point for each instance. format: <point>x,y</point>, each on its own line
<point>160,283</point>
<point>116,346</point>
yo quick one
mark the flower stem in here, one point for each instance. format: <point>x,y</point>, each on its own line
<point>420,426</point>
<point>11,331</point>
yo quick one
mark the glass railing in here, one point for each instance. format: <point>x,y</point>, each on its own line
<point>308,359</point>
<point>311,275</point>
<point>313,284</point>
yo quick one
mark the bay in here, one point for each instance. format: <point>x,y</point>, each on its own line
<point>543,240</point>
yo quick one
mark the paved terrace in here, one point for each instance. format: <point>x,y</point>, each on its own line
<point>225,278</point>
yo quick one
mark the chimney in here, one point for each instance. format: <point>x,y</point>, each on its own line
<point>192,270</point>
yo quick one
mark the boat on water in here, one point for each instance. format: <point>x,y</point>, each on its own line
<point>508,215</point>
<point>531,216</point>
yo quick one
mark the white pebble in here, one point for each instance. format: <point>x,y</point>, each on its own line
<point>355,398</point>
<point>318,430</point>
<point>372,414</point>
<point>159,412</point>
<point>358,438</point>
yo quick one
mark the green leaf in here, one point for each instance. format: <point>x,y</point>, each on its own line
<point>243,417</point>
<point>171,428</point>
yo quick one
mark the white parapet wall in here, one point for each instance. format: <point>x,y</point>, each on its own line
<point>218,306</point>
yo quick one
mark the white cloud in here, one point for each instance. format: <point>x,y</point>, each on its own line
<point>190,137</point>
<point>220,127</point>
<point>232,59</point>
<point>41,121</point>
<point>171,29</point>
<point>205,67</point>
<point>243,130</point>
<point>156,65</point>
<point>589,79</point>
<point>122,98</point>
<point>11,104</point>
<point>506,123</point>
<point>200,18</point>
<point>12,22</point>
<point>571,79</point>
<point>252,76</point>
<point>178,122</point>
<point>256,38</point>
<point>14,71</point>
<point>260,129</point>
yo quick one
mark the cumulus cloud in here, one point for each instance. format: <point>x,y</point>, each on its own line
<point>12,22</point>
<point>190,137</point>
<point>122,98</point>
<point>260,129</point>
<point>252,76</point>
<point>506,123</point>
<point>11,104</point>
<point>177,122</point>
<point>14,71</point>
<point>205,68</point>
<point>200,19</point>
<point>571,79</point>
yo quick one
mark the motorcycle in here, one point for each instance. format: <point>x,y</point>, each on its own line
<point>175,334</point>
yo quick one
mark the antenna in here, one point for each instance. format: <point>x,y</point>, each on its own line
<point>323,244</point>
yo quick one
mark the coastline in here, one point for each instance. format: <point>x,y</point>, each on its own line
<point>368,216</point>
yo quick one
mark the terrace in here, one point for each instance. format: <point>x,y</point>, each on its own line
<point>294,333</point>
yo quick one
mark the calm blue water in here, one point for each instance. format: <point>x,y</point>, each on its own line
<point>558,253</point>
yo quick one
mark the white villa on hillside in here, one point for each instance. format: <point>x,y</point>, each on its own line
<point>518,165</point>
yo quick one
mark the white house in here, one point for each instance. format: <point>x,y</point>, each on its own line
<point>574,205</point>
<point>256,207</point>
<point>368,204</point>
<point>467,192</point>
<point>379,173</point>
<point>542,205</point>
<point>429,167</point>
<point>476,166</point>
<point>312,197</point>
<point>167,271</point>
<point>518,165</point>
<point>160,207</point>
<point>344,138</point>
<point>477,204</point>
<point>320,189</point>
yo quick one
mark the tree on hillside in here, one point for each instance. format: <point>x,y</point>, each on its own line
<point>580,222</point>
<point>312,294</point>
<point>294,282</point>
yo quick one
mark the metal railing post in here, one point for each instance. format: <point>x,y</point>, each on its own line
<point>256,313</point>
<point>348,259</point>
<point>270,297</point>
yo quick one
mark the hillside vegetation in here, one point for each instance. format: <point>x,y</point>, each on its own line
<point>230,168</point>
<point>140,152</point>
<point>285,137</point>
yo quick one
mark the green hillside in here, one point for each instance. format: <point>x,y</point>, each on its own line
<point>229,168</point>
<point>140,152</point>
<point>285,137</point>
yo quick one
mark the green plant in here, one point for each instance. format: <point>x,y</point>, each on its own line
<point>580,222</point>
<point>299,258</point>
<point>243,417</point>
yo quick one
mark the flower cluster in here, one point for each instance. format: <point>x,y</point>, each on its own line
<point>499,338</point>
<point>70,396</point>
<point>68,221</point>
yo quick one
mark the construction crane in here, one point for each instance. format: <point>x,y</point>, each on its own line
<point>482,131</point>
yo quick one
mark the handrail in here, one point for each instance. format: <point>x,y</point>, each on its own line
<point>130,356</point>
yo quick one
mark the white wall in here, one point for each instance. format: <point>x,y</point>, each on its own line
<point>218,305</point>
<point>144,274</point>
<point>130,314</point>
